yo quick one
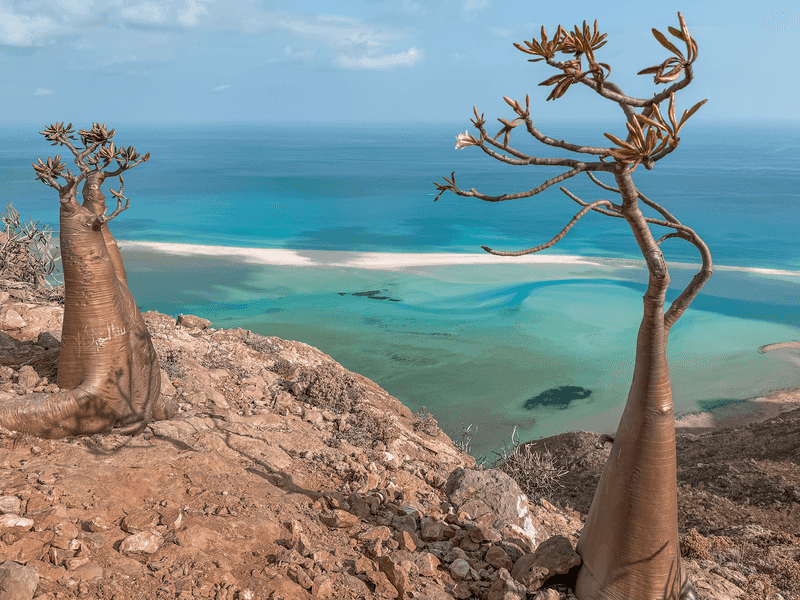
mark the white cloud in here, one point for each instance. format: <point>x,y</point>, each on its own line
<point>358,46</point>
<point>147,12</point>
<point>25,30</point>
<point>221,88</point>
<point>502,32</point>
<point>470,7</point>
<point>193,10</point>
<point>389,61</point>
<point>43,92</point>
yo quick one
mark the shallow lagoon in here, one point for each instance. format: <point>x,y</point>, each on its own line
<point>546,347</point>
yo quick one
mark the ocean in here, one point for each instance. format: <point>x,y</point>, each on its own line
<point>328,234</point>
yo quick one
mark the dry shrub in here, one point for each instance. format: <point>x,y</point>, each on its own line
<point>536,472</point>
<point>694,545</point>
<point>329,388</point>
<point>366,428</point>
<point>26,254</point>
<point>424,421</point>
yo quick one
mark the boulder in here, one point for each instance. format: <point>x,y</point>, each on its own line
<point>492,498</point>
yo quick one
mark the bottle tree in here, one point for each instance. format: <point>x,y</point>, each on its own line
<point>108,369</point>
<point>629,545</point>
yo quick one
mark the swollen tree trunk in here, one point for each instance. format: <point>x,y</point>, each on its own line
<point>108,369</point>
<point>629,544</point>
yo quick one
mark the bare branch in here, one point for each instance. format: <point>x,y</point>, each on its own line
<point>473,193</point>
<point>561,234</point>
<point>682,302</point>
<point>616,209</point>
<point>605,186</point>
<point>658,208</point>
<point>105,219</point>
<point>561,143</point>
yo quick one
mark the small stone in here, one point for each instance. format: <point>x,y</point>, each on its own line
<point>193,322</point>
<point>99,523</point>
<point>301,577</point>
<point>498,558</point>
<point>459,569</point>
<point>66,530</point>
<point>427,564</point>
<point>396,574</point>
<point>143,541</point>
<point>28,378</point>
<point>548,594</point>
<point>16,581</point>
<point>12,320</point>
<point>141,520</point>
<point>12,520</point>
<point>10,504</point>
<point>87,571</point>
<point>506,588</point>
<point>406,541</point>
<point>322,587</point>
<point>340,519</point>
<point>171,517</point>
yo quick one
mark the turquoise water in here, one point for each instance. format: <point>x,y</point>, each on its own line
<point>476,344</point>
<point>545,348</point>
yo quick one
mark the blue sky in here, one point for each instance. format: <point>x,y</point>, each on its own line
<point>147,61</point>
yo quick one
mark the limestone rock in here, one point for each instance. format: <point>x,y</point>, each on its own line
<point>10,504</point>
<point>491,497</point>
<point>193,322</point>
<point>28,378</point>
<point>12,520</point>
<point>142,542</point>
<point>554,556</point>
<point>506,588</point>
<point>11,319</point>
<point>498,558</point>
<point>16,581</point>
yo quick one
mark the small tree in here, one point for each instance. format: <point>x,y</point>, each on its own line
<point>108,369</point>
<point>629,544</point>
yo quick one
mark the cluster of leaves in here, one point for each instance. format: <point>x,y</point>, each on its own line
<point>647,147</point>
<point>580,42</point>
<point>651,137</point>
<point>26,252</point>
<point>97,152</point>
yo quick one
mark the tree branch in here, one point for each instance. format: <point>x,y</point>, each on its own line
<point>616,209</point>
<point>672,220</point>
<point>105,219</point>
<point>682,302</point>
<point>561,143</point>
<point>475,194</point>
<point>561,234</point>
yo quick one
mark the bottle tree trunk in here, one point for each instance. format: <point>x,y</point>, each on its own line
<point>108,369</point>
<point>629,544</point>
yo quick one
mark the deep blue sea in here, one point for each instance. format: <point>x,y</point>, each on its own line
<point>473,344</point>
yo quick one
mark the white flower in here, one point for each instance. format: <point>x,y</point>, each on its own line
<point>463,140</point>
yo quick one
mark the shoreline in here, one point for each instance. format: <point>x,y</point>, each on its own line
<point>398,260</point>
<point>756,408</point>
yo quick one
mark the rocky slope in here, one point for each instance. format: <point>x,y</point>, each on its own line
<point>286,476</point>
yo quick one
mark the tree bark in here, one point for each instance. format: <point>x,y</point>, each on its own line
<point>108,363</point>
<point>629,544</point>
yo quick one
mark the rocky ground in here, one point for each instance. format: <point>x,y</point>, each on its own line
<point>286,476</point>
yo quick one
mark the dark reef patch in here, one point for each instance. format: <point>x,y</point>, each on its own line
<point>373,294</point>
<point>559,397</point>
